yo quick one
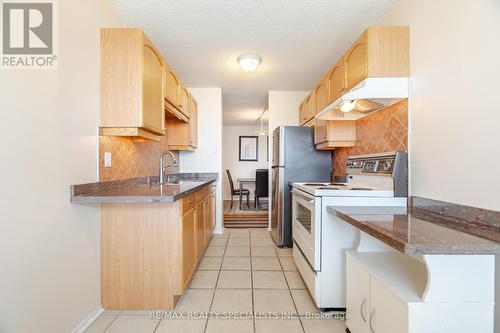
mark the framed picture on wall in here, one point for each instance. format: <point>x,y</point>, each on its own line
<point>249,148</point>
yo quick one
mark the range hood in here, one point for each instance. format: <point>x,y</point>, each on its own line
<point>371,94</point>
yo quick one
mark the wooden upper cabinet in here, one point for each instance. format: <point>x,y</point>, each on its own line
<point>193,124</point>
<point>336,81</point>
<point>311,105</point>
<point>381,51</point>
<point>185,104</point>
<point>331,134</point>
<point>172,88</point>
<point>131,85</point>
<point>303,112</point>
<point>152,91</point>
<point>356,61</point>
<point>322,95</point>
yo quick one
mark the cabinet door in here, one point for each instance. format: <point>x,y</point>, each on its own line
<point>172,88</point>
<point>185,104</point>
<point>356,61</point>
<point>336,80</point>
<point>208,231</point>
<point>320,131</point>
<point>311,105</point>
<point>153,117</point>
<point>357,297</point>
<point>193,124</point>
<point>322,95</point>
<point>388,314</point>
<point>188,251</point>
<point>200,229</point>
<point>303,112</point>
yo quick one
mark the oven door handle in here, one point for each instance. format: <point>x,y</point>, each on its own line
<point>300,195</point>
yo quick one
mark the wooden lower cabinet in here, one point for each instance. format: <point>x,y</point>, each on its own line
<point>188,249</point>
<point>149,251</point>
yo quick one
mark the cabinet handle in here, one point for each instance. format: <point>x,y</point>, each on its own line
<point>361,307</point>
<point>371,321</point>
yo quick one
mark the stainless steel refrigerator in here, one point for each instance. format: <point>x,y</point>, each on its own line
<point>295,159</point>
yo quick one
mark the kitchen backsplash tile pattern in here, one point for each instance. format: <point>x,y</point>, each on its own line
<point>131,159</point>
<point>381,131</point>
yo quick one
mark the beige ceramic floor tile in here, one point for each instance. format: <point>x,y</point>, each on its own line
<point>294,280</point>
<point>214,251</point>
<point>229,326</point>
<point>236,264</point>
<point>133,324</point>
<point>279,301</point>
<point>278,326</point>
<point>195,300</point>
<point>239,233</point>
<point>204,279</point>
<point>210,264</point>
<point>259,233</point>
<point>237,251</point>
<point>218,242</point>
<point>181,326</point>
<point>323,325</point>
<point>263,251</point>
<point>238,242</point>
<point>265,264</point>
<point>288,264</point>
<point>101,323</point>
<point>232,300</point>
<point>284,252</point>
<point>235,280</point>
<point>269,280</point>
<point>304,302</point>
<point>262,242</point>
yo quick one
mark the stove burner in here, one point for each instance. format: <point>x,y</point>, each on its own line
<point>328,188</point>
<point>314,184</point>
<point>338,184</point>
<point>361,189</point>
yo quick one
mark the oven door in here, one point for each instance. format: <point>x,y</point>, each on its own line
<point>306,220</point>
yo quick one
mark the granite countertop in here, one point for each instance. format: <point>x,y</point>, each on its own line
<point>415,231</point>
<point>140,190</point>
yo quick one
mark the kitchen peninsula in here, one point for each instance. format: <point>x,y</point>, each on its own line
<point>152,236</point>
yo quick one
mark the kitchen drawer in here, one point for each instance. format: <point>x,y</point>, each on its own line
<point>308,275</point>
<point>188,202</point>
<point>202,193</point>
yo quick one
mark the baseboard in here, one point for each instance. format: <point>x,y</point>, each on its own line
<point>88,320</point>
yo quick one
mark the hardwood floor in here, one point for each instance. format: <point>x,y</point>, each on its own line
<point>246,218</point>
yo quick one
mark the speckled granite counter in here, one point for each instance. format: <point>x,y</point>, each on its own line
<point>416,231</point>
<point>146,189</point>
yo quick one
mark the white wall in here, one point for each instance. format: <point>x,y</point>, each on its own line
<point>455,105</point>
<point>283,110</point>
<point>49,248</point>
<point>208,156</point>
<point>230,156</point>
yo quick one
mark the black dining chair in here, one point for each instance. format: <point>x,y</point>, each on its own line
<point>261,185</point>
<point>234,192</point>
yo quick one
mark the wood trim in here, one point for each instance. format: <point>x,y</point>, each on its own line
<point>172,112</point>
<point>131,132</point>
<point>331,145</point>
<point>181,147</point>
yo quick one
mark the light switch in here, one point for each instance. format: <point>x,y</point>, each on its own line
<point>107,159</point>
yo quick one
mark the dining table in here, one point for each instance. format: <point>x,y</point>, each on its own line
<point>243,181</point>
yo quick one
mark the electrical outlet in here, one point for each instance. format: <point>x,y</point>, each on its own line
<point>107,159</point>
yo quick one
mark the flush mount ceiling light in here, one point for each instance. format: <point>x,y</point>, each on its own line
<point>249,62</point>
<point>348,106</point>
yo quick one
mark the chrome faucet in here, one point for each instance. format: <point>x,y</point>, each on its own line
<point>162,167</point>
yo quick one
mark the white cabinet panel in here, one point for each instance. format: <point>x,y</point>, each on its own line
<point>357,296</point>
<point>388,313</point>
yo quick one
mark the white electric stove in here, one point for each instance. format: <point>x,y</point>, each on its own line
<point>321,239</point>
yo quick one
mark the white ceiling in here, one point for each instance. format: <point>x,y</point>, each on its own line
<point>298,40</point>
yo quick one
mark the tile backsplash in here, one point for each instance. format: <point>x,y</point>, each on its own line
<point>131,159</point>
<point>381,131</point>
